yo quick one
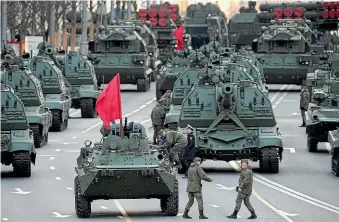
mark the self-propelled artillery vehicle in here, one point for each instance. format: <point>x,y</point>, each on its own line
<point>233,121</point>
<point>125,168</point>
<point>17,145</point>
<point>56,95</point>
<point>333,139</point>
<point>121,49</point>
<point>28,89</point>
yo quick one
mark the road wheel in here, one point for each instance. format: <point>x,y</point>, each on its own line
<point>57,124</point>
<point>269,160</point>
<point>82,206</point>
<point>38,140</point>
<point>172,201</point>
<point>312,144</point>
<point>335,164</point>
<point>22,164</point>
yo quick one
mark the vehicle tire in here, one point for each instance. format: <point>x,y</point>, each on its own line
<point>37,137</point>
<point>162,204</point>
<point>269,160</point>
<point>141,85</point>
<point>82,206</point>
<point>312,144</point>
<point>87,108</point>
<point>22,164</point>
<point>172,201</point>
<point>335,164</point>
<point>57,123</point>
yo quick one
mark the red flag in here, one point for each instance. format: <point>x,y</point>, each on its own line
<point>108,104</point>
<point>179,34</point>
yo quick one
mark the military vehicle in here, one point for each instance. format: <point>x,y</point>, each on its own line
<point>56,95</point>
<point>121,49</point>
<point>233,121</point>
<point>285,51</point>
<point>124,164</point>
<point>27,87</point>
<point>205,23</point>
<point>17,144</point>
<point>164,20</point>
<point>334,143</point>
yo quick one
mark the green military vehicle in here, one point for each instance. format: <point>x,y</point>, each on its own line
<point>334,143</point>
<point>17,144</point>
<point>56,95</point>
<point>125,168</point>
<point>27,87</point>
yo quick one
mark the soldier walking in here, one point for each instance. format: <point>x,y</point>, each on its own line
<point>244,190</point>
<point>190,149</point>
<point>304,101</point>
<point>157,116</point>
<point>194,188</point>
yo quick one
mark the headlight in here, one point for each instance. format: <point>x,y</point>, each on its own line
<point>141,62</point>
<point>89,160</point>
<point>306,63</point>
<point>150,54</point>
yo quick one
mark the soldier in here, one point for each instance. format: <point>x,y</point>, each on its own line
<point>194,188</point>
<point>167,97</point>
<point>177,142</point>
<point>244,190</point>
<point>190,149</point>
<point>304,101</point>
<point>335,41</point>
<point>157,116</point>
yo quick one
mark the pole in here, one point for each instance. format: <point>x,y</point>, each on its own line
<point>52,24</point>
<point>148,4</point>
<point>129,3</point>
<point>112,12</point>
<point>84,43</point>
<point>3,22</point>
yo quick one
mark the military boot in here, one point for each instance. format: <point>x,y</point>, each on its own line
<point>233,215</point>
<point>303,125</point>
<point>185,215</point>
<point>253,215</point>
<point>201,215</point>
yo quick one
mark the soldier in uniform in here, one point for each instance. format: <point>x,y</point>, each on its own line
<point>177,142</point>
<point>194,188</point>
<point>190,149</point>
<point>244,190</point>
<point>157,116</point>
<point>167,97</point>
<point>335,41</point>
<point>304,101</point>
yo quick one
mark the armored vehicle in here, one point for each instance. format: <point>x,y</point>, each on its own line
<point>233,121</point>
<point>27,87</point>
<point>284,49</point>
<point>334,143</point>
<point>56,95</point>
<point>126,165</point>
<point>17,145</point>
<point>121,49</point>
<point>205,23</point>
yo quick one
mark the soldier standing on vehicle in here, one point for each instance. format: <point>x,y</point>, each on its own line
<point>194,188</point>
<point>157,117</point>
<point>178,143</point>
<point>304,101</point>
<point>190,149</point>
<point>244,190</point>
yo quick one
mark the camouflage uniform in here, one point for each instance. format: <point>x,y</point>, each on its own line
<point>178,142</point>
<point>194,188</point>
<point>244,192</point>
<point>157,117</point>
<point>335,41</point>
<point>166,98</point>
<point>304,101</point>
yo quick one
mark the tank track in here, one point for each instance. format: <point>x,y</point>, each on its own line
<point>170,204</point>
<point>269,160</point>
<point>57,124</point>
<point>312,144</point>
<point>335,164</point>
<point>39,140</point>
<point>87,108</point>
<point>22,164</point>
<point>82,206</point>
<point>143,85</point>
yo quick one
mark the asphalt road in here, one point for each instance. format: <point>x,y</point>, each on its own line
<point>303,191</point>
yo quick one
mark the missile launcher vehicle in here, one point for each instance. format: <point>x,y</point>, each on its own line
<point>125,168</point>
<point>17,144</point>
<point>28,89</point>
<point>121,49</point>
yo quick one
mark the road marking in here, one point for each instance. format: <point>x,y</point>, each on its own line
<point>143,106</point>
<point>215,206</point>
<point>74,113</point>
<point>103,207</point>
<point>52,167</point>
<point>282,97</point>
<point>74,137</point>
<point>57,150</point>
<point>149,102</point>
<point>179,214</point>
<point>56,214</point>
<point>222,187</point>
<point>328,147</point>
<point>69,188</point>
<point>19,191</point>
<point>287,214</point>
<point>148,120</point>
<point>71,151</point>
<point>45,155</point>
<point>120,217</point>
<point>290,100</point>
<point>57,178</point>
<point>278,93</point>
<point>5,219</point>
<point>237,168</point>
<point>122,211</point>
<point>53,140</point>
<point>52,158</point>
<point>292,150</point>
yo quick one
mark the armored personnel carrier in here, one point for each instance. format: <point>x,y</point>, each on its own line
<point>17,144</point>
<point>284,49</point>
<point>126,165</point>
<point>334,143</point>
<point>205,23</point>
<point>56,95</point>
<point>28,89</point>
<point>233,121</point>
<point>121,49</point>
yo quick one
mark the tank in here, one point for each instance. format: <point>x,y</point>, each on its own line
<point>17,144</point>
<point>284,49</point>
<point>233,121</point>
<point>27,87</point>
<point>126,54</point>
<point>54,89</point>
<point>126,165</point>
<point>333,139</point>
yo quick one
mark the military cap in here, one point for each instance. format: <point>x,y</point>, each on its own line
<point>244,161</point>
<point>189,127</point>
<point>168,91</point>
<point>197,159</point>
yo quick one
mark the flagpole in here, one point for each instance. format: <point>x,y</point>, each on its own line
<point>121,126</point>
